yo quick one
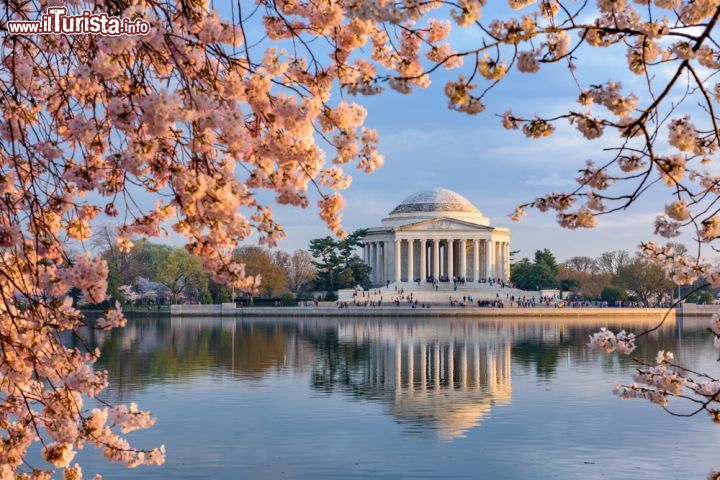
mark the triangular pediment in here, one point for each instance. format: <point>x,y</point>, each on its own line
<point>444,225</point>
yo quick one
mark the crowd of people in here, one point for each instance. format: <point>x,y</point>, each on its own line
<point>458,281</point>
<point>617,304</point>
<point>362,298</point>
<point>373,298</point>
<point>507,301</point>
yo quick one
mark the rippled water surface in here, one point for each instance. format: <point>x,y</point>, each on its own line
<point>340,399</point>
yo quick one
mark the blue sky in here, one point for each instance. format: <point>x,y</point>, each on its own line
<point>427,146</point>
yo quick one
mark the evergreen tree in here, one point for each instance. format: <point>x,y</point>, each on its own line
<point>536,275</point>
<point>336,263</point>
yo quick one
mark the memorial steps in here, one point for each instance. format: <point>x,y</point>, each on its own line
<point>441,296</point>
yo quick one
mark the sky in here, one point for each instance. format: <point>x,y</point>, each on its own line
<point>428,146</point>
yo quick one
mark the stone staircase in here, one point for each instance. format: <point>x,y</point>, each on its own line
<point>441,296</point>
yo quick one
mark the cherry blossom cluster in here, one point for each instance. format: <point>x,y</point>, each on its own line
<point>682,269</point>
<point>666,379</point>
<point>608,341</point>
<point>660,138</point>
<point>207,115</point>
<point>715,330</point>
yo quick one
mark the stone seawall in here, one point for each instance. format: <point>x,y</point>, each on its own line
<point>228,309</point>
<point>691,309</point>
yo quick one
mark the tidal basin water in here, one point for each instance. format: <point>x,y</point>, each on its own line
<point>367,398</point>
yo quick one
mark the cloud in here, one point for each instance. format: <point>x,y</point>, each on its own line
<point>553,180</point>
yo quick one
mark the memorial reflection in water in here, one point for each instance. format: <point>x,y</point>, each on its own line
<point>433,377</point>
<point>440,378</point>
<point>399,398</point>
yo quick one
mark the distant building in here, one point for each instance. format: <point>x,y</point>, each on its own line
<point>437,234</point>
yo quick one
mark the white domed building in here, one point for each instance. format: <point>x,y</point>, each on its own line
<point>437,235</point>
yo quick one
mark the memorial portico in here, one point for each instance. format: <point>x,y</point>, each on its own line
<point>437,235</point>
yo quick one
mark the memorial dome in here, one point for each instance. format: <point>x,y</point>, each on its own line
<point>438,202</point>
<point>435,200</point>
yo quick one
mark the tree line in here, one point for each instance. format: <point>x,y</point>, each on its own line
<point>151,273</point>
<point>154,273</point>
<point>612,276</point>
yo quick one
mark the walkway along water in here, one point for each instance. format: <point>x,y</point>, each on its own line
<point>230,310</point>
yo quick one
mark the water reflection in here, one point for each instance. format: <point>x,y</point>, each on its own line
<point>437,378</point>
<point>432,378</point>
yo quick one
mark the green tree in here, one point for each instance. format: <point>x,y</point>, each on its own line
<point>612,294</point>
<point>360,272</point>
<point>547,269</point>
<point>205,297</point>
<point>706,298</point>
<point>569,285</point>
<point>220,293</point>
<point>541,273</point>
<point>645,279</point>
<point>336,263</point>
<point>175,268</point>
<point>522,274</point>
<point>172,267</point>
<point>326,261</point>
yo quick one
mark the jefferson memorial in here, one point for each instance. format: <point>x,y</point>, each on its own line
<point>437,234</point>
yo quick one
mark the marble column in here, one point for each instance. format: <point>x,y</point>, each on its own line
<point>463,258</point>
<point>476,260</point>
<point>488,259</point>
<point>379,262</point>
<point>507,260</point>
<point>410,261</point>
<point>443,258</point>
<point>450,269</point>
<point>373,263</point>
<point>398,261</point>
<point>504,265</point>
<point>501,263</point>
<point>436,259</point>
<point>423,261</point>
<point>496,260</point>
